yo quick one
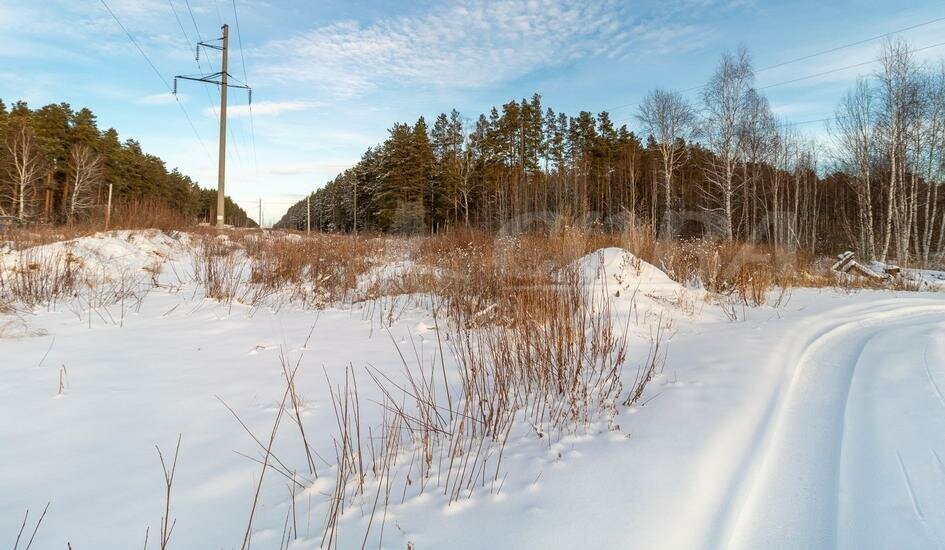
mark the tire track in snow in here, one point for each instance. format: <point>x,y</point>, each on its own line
<point>787,495</point>
<point>941,465</point>
<point>910,489</point>
<point>928,372</point>
<point>743,454</point>
<point>891,479</point>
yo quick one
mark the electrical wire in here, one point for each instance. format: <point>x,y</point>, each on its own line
<point>847,67</point>
<point>158,73</point>
<point>850,45</point>
<point>811,56</point>
<point>192,45</point>
<point>252,124</point>
<point>822,73</point>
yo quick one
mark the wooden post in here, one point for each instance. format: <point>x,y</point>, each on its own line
<point>108,209</point>
<point>65,197</point>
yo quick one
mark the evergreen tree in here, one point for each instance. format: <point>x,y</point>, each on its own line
<point>67,140</point>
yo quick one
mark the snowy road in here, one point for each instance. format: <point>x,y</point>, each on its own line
<point>816,424</point>
<point>840,452</point>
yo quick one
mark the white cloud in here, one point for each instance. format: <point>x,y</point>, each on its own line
<point>265,108</point>
<point>796,108</point>
<point>290,169</point>
<point>164,98</point>
<point>469,43</point>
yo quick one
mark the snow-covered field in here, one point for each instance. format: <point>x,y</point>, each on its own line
<point>816,423</point>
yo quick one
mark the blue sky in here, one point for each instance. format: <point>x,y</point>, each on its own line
<point>330,77</point>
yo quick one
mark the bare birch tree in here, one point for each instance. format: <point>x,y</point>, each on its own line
<point>896,89</point>
<point>466,185</point>
<point>25,168</point>
<point>854,135</point>
<point>725,98</point>
<point>936,164</point>
<point>758,141</point>
<point>783,159</point>
<point>86,171</point>
<point>671,120</point>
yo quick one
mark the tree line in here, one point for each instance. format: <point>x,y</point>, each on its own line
<point>722,165</point>
<point>56,166</point>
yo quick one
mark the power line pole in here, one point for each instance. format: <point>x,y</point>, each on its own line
<point>308,214</point>
<point>221,162</point>
<point>260,214</point>
<point>223,75</point>
<point>108,209</point>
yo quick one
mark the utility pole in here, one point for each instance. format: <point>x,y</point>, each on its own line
<point>223,75</point>
<point>49,183</point>
<point>108,209</point>
<point>260,214</point>
<point>221,162</point>
<point>308,214</point>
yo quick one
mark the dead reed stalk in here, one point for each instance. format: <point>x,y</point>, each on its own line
<point>167,525</point>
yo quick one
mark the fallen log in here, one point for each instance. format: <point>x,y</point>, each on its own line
<point>846,263</point>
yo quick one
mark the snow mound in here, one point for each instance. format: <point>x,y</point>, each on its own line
<point>622,274</point>
<point>111,252</point>
<point>921,279</point>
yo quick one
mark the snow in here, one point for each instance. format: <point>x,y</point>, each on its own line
<point>116,251</point>
<point>919,279</point>
<point>617,268</point>
<point>816,424</point>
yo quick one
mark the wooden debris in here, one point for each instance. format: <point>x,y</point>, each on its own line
<point>846,263</point>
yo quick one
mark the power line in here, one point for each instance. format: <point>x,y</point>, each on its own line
<point>804,122</point>
<point>135,42</point>
<point>850,45</point>
<point>811,56</point>
<point>213,107</point>
<point>252,124</point>
<point>216,6</point>
<point>190,43</point>
<point>234,153</point>
<point>838,69</point>
<point>815,75</point>
<point>194,20</point>
<point>239,38</point>
<point>254,201</point>
<point>822,73</point>
<point>179,23</point>
<point>232,131</point>
<point>158,73</point>
<point>233,156</point>
<point>222,45</point>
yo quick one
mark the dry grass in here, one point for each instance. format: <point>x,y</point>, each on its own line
<point>479,278</point>
<point>316,270</point>
<point>137,214</point>
<point>258,268</point>
<point>218,266</point>
<point>452,440</point>
<point>533,345</point>
<point>468,272</point>
<point>33,279</point>
<point>145,214</point>
<point>167,524</point>
<point>20,533</point>
<point>24,238</point>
